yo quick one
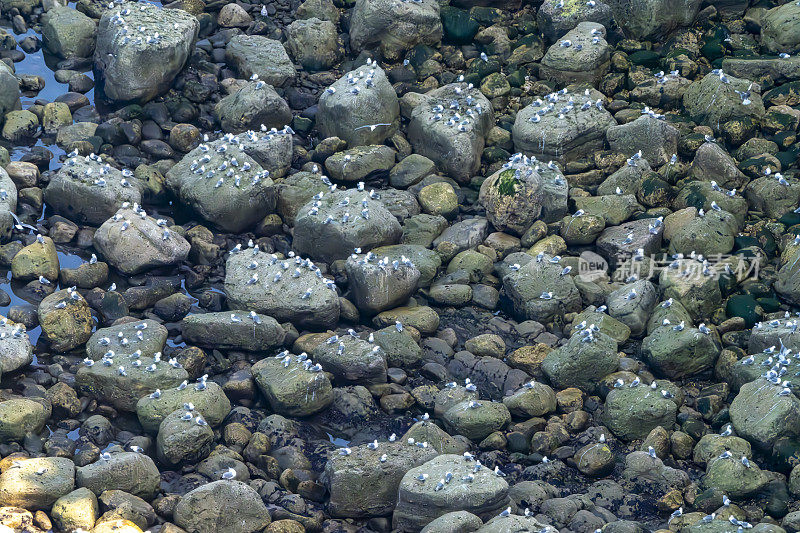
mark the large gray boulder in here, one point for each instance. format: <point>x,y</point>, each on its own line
<point>314,43</point>
<point>420,502</point>
<point>68,33</point>
<point>210,508</point>
<point>363,484</point>
<point>449,127</point>
<point>233,331</point>
<point>379,284</point>
<point>581,363</point>
<point>538,130</point>
<point>88,191</point>
<point>632,412</point>
<point>252,283</point>
<point>138,67</point>
<point>36,483</point>
<point>657,140</point>
<point>133,242</point>
<point>254,54</point>
<point>713,101</point>
<point>760,414</point>
<point>180,441</point>
<point>224,183</point>
<point>555,21</point>
<point>135,473</point>
<point>209,401</point>
<point>395,26</point>
<point>352,360</point>
<point>121,382</point>
<point>586,59</point>
<point>332,227</point>
<point>254,105</point>
<point>539,291</point>
<point>290,388</point>
<point>779,28</point>
<point>356,102</point>
<point>15,347</point>
<point>513,197</point>
<point>21,416</point>
<point>651,19</point>
<point>9,91</point>
<point>679,353</point>
<point>130,340</point>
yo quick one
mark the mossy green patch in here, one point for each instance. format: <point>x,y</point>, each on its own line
<point>507,183</point>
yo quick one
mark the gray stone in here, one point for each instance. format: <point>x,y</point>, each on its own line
<point>655,138</point>
<point>632,412</point>
<point>419,503</point>
<point>586,60</point>
<point>209,401</point>
<point>513,198</point>
<point>360,163</point>
<point>254,54</point>
<point>314,43</point>
<point>68,33</point>
<point>394,26</point>
<point>581,364</point>
<point>632,304</point>
<point>378,285</point>
<point>181,441</point>
<point>652,19</point>
<point>342,222</point>
<point>89,192</point>
<point>130,69</point>
<point>207,508</point>
<point>362,484</point>
<point>36,483</point>
<point>133,242</point>
<point>760,415</point>
<point>526,286</point>
<point>282,298</point>
<point>240,200</point>
<point>711,159</point>
<point>352,360</point>
<point>291,390</point>
<point>779,32</point>
<point>712,102</point>
<point>556,21</point>
<point>15,348</point>
<point>233,331</point>
<point>130,340</point>
<point>457,153</point>
<point>20,416</point>
<point>254,105</point>
<point>135,473</point>
<point>679,353</point>
<point>363,112</point>
<point>581,132</point>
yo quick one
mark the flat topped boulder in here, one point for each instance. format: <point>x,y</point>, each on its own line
<point>133,242</point>
<point>223,183</point>
<point>365,482</point>
<point>136,66</point>
<point>88,191</point>
<point>760,414</point>
<point>233,331</point>
<point>351,359</point>
<point>717,98</point>
<point>15,346</point>
<point>395,25</point>
<point>332,227</point>
<point>260,282</point>
<point>36,483</point>
<point>254,54</point>
<point>583,361</point>
<point>631,412</point>
<point>380,283</point>
<point>141,339</point>
<point>538,289</point>
<point>292,388</point>
<point>134,473</point>
<point>122,381</point>
<point>478,491</point>
<point>581,56</point>
<point>556,129</point>
<point>251,106</point>
<point>449,127</point>
<point>360,108</point>
<point>209,401</point>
